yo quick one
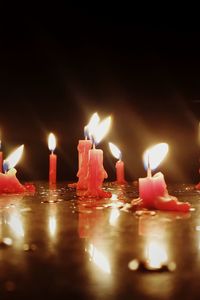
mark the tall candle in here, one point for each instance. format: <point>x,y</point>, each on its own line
<point>153,189</point>
<point>83,149</point>
<point>96,171</point>
<point>119,164</point>
<point>52,159</point>
<point>83,152</point>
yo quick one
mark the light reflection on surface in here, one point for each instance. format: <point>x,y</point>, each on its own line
<point>52,225</point>
<point>114,215</point>
<point>99,259</point>
<point>156,253</point>
<point>155,246</point>
<point>114,196</point>
<point>15,223</point>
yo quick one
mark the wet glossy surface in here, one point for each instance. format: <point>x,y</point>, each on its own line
<point>54,246</point>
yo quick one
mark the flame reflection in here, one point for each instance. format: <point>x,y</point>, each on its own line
<point>114,215</point>
<point>99,259</point>
<point>15,223</point>
<point>52,225</point>
<point>156,254</point>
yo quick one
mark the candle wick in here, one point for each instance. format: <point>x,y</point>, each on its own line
<point>51,151</point>
<point>148,168</point>
<point>94,146</point>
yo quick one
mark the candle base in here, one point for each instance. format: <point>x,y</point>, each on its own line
<point>9,184</point>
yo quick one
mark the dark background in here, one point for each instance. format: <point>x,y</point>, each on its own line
<point>56,70</point>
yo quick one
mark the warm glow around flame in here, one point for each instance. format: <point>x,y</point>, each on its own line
<point>99,259</point>
<point>155,155</point>
<point>14,157</point>
<point>115,151</point>
<point>51,142</point>
<point>101,130</point>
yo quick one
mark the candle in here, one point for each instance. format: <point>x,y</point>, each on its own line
<point>9,184</point>
<point>153,189</point>
<point>52,159</point>
<point>119,164</point>
<point>96,171</point>
<point>1,159</point>
<point>83,152</point>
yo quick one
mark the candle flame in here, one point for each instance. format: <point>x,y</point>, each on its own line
<point>14,157</point>
<point>101,130</point>
<point>115,151</point>
<point>91,126</point>
<point>51,142</point>
<point>155,155</point>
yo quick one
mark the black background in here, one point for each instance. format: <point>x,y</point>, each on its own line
<point>57,69</point>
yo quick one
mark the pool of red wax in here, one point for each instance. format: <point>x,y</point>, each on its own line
<point>9,184</point>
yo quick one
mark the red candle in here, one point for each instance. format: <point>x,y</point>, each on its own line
<point>83,150</point>
<point>119,164</point>
<point>96,175</point>
<point>52,159</point>
<point>120,172</point>
<point>96,171</point>
<point>153,190</point>
<point>83,153</point>
<point>9,184</point>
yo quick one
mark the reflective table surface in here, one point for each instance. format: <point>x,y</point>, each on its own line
<point>54,245</point>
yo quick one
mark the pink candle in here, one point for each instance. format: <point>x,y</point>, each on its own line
<point>154,194</point>
<point>119,164</point>
<point>96,171</point>
<point>83,150</point>
<point>96,175</point>
<point>9,184</point>
<point>52,159</point>
<point>83,153</point>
